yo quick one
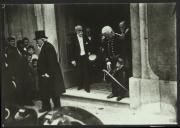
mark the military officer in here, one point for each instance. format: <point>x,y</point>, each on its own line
<point>110,46</point>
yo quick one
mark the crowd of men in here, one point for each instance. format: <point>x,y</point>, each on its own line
<point>112,53</point>
<point>20,68</point>
<point>28,76</point>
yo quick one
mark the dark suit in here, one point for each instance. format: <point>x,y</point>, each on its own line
<point>82,61</point>
<point>126,49</point>
<point>121,75</point>
<point>53,86</point>
<point>15,72</point>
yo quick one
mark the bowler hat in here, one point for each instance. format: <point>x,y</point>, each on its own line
<point>40,34</point>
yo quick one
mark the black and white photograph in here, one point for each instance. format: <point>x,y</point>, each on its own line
<point>89,64</point>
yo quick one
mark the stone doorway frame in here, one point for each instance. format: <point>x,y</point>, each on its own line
<point>144,85</point>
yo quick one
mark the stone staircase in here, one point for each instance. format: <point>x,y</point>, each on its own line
<point>95,97</point>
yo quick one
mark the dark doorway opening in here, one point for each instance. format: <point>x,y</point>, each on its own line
<point>95,17</point>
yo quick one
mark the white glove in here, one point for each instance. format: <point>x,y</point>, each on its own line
<point>73,63</point>
<point>46,75</point>
<point>108,66</point>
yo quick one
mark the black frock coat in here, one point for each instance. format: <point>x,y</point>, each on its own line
<point>48,63</point>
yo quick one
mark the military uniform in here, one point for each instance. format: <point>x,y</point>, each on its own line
<point>111,48</point>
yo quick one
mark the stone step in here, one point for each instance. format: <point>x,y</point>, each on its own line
<point>94,97</point>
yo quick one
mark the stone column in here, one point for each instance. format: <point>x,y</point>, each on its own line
<point>39,23</point>
<point>45,16</point>
<point>134,82</point>
<point>150,82</point>
<point>50,25</point>
<point>39,16</point>
<point>135,32</point>
<point>144,86</point>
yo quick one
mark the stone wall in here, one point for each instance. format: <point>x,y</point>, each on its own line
<point>162,49</point>
<point>20,21</point>
<point>162,40</point>
<point>156,42</point>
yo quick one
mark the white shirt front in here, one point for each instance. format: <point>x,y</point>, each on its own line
<point>81,44</point>
<point>40,47</point>
<point>89,37</point>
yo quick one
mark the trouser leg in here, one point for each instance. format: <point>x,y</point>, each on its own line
<point>85,73</point>
<point>46,103</point>
<point>56,101</point>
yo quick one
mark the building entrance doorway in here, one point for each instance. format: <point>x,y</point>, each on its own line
<point>94,17</point>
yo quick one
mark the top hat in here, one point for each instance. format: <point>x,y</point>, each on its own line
<point>40,34</point>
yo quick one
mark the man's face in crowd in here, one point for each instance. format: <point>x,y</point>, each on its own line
<point>88,31</point>
<point>34,62</point>
<point>79,31</point>
<point>122,25</point>
<point>119,62</point>
<point>108,35</point>
<point>30,51</point>
<point>39,42</point>
<point>26,42</point>
<point>21,45</point>
<point>29,58</point>
<point>12,43</point>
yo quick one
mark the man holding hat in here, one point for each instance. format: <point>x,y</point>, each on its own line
<point>78,57</point>
<point>51,84</point>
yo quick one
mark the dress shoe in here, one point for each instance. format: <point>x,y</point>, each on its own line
<point>110,96</point>
<point>87,90</point>
<point>79,88</point>
<point>119,98</point>
<point>44,110</point>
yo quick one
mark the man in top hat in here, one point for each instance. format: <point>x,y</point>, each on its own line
<point>51,84</point>
<point>78,56</point>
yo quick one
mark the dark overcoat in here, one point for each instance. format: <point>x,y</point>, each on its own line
<point>15,72</point>
<point>48,63</point>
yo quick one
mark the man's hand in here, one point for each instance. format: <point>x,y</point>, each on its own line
<point>107,59</point>
<point>14,84</point>
<point>73,63</point>
<point>122,36</point>
<point>46,75</point>
<point>108,66</point>
<point>102,37</point>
